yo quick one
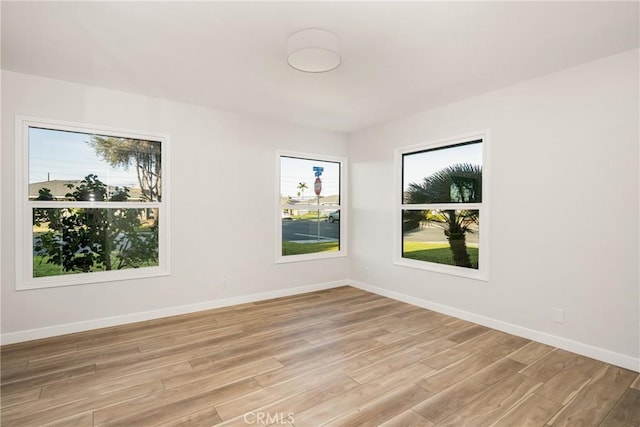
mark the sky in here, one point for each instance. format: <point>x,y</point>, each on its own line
<point>420,165</point>
<point>66,156</point>
<point>295,170</point>
<point>61,155</point>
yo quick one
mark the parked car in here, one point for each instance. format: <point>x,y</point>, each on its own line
<point>334,216</point>
<point>286,215</point>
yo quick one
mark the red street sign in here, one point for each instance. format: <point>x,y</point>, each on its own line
<point>317,186</point>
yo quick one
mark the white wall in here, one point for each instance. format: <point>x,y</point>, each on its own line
<point>223,203</point>
<point>564,209</point>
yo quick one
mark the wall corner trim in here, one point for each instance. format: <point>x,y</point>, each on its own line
<point>608,356</point>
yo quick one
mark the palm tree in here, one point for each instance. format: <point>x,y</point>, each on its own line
<point>458,183</point>
<point>302,186</point>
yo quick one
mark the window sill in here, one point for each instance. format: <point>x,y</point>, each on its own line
<point>91,278</point>
<point>466,273</point>
<point>310,257</point>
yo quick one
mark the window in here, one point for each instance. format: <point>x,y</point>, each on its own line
<point>310,217</point>
<point>91,204</point>
<point>442,213</point>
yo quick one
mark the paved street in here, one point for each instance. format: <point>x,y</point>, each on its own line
<point>434,233</point>
<point>305,230</point>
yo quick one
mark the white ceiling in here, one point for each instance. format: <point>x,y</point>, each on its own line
<point>398,58</point>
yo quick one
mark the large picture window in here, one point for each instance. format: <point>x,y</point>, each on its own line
<point>442,207</point>
<point>311,218</point>
<point>91,204</point>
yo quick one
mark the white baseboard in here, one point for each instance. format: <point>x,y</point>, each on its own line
<point>69,328</point>
<point>598,353</point>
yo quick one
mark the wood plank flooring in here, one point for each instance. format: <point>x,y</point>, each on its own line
<point>340,357</point>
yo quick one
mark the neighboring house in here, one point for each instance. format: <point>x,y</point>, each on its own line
<point>59,188</point>
<point>332,200</point>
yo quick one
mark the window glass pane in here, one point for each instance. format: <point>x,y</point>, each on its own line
<point>450,174</point>
<point>298,178</point>
<point>441,236</point>
<point>310,231</point>
<point>77,166</point>
<point>83,240</point>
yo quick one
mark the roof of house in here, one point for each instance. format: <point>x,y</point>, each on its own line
<point>333,199</point>
<point>59,188</point>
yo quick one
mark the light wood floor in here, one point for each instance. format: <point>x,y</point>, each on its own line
<point>341,357</point>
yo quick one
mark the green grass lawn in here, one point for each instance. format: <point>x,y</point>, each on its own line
<point>435,252</point>
<point>292,248</point>
<point>43,269</point>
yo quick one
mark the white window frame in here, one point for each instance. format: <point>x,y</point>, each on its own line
<point>342,252</point>
<point>24,226</point>
<point>482,272</point>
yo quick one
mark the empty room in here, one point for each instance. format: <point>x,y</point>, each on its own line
<point>320,213</point>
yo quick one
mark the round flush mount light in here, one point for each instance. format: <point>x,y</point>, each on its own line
<point>313,50</point>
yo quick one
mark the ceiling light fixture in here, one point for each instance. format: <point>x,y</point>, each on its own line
<point>313,50</point>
